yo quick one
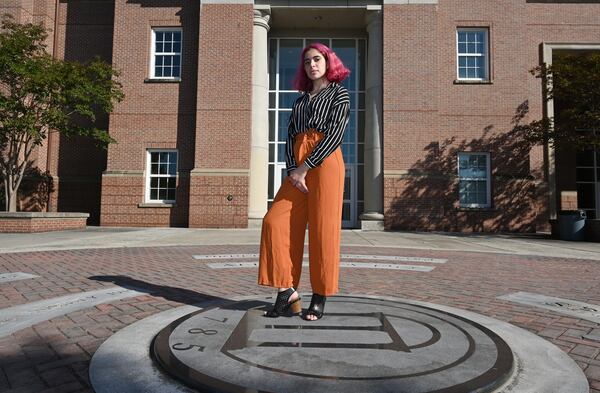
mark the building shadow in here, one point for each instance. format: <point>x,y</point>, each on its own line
<point>88,33</point>
<point>427,197</point>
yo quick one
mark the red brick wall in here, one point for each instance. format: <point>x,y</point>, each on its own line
<point>223,124</point>
<point>152,115</point>
<point>40,224</point>
<point>428,119</point>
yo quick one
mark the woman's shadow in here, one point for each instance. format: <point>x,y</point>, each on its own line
<point>179,295</point>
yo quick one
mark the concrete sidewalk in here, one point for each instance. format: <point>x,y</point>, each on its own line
<point>107,237</point>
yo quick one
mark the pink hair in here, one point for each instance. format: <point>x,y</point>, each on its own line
<point>336,71</point>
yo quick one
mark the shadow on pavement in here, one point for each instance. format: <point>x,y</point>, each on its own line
<point>180,295</point>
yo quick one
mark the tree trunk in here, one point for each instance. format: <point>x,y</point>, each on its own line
<point>12,200</point>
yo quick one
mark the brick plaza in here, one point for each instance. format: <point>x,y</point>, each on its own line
<point>54,355</point>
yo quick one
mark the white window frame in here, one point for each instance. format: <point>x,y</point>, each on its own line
<point>153,53</point>
<point>149,175</point>
<point>486,54</point>
<point>488,179</point>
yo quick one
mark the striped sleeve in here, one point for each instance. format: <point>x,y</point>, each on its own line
<point>290,161</point>
<point>334,130</point>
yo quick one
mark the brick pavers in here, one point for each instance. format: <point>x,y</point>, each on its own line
<point>53,356</point>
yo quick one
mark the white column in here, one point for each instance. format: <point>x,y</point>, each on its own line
<point>372,218</point>
<point>259,155</point>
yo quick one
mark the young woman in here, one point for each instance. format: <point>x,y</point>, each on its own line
<point>313,190</point>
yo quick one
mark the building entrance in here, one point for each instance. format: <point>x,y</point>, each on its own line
<point>588,181</point>
<point>284,54</point>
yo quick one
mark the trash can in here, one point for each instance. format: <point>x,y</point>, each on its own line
<point>571,224</point>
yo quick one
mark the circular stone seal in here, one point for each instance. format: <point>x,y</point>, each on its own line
<point>361,345</point>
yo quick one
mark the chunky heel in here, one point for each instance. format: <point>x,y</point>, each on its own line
<point>296,306</point>
<point>283,304</point>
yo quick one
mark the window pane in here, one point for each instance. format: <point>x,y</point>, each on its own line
<point>175,72</point>
<point>360,179</point>
<point>346,212</point>
<point>585,158</point>
<point>162,194</point>
<point>154,182</point>
<point>173,168</point>
<point>177,36</point>
<point>281,152</point>
<point>271,125</point>
<point>271,152</point>
<point>462,47</point>
<point>162,182</point>
<point>159,60</point>
<point>286,100</point>
<point>158,71</point>
<point>154,169</point>
<point>176,60</point>
<point>347,185</point>
<point>270,186</point>
<point>462,37</point>
<point>159,36</point>
<point>171,195</point>
<point>172,182</point>
<point>283,124</point>
<point>361,65</point>
<point>586,195</point>
<point>289,59</point>
<point>272,64</point>
<point>158,47</point>
<point>154,193</point>
<point>361,127</point>
<point>462,72</point>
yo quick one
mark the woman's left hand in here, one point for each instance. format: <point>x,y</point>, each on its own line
<point>298,178</point>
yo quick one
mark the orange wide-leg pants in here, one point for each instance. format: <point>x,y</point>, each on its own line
<point>284,225</point>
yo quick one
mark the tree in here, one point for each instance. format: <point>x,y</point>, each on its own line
<point>573,82</point>
<point>39,95</point>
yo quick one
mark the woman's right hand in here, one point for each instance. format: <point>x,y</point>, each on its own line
<point>298,178</point>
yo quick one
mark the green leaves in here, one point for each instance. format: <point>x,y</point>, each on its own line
<point>39,94</point>
<point>573,83</point>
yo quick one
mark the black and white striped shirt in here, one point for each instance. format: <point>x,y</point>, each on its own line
<point>327,112</point>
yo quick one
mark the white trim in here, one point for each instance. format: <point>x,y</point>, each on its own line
<point>148,175</point>
<point>153,31</point>
<point>485,55</point>
<point>487,179</point>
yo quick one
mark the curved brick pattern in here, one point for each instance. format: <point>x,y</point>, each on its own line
<point>55,354</point>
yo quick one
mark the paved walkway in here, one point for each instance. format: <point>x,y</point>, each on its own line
<point>146,271</point>
<point>103,237</point>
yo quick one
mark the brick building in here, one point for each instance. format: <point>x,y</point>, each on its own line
<point>437,88</point>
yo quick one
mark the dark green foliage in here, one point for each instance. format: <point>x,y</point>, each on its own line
<point>40,94</point>
<point>573,82</point>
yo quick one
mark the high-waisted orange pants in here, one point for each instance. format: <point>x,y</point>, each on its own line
<point>284,225</point>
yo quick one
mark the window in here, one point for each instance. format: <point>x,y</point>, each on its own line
<point>474,179</point>
<point>161,176</point>
<point>472,54</point>
<point>165,61</point>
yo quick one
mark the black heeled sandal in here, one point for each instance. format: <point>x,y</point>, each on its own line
<point>282,304</point>
<point>316,308</point>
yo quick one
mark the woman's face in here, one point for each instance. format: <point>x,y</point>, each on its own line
<point>315,65</point>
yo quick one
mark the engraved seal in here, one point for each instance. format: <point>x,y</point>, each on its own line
<point>361,345</point>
